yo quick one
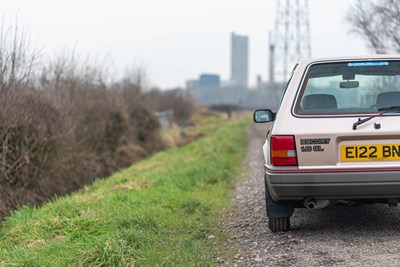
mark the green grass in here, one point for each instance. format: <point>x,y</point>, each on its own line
<point>158,212</point>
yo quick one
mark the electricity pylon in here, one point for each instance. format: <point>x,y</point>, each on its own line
<point>291,38</point>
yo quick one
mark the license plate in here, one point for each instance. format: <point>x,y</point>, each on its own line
<point>370,152</point>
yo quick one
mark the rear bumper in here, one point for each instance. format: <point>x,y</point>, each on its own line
<point>333,185</point>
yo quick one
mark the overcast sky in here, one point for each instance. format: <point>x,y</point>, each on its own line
<point>174,40</point>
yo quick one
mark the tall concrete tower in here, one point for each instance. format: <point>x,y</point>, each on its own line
<point>291,42</point>
<point>239,59</point>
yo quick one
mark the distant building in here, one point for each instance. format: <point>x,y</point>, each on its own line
<point>192,84</point>
<point>209,81</point>
<point>239,97</point>
<point>239,59</point>
<point>205,81</point>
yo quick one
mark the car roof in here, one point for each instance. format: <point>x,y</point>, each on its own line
<point>350,58</point>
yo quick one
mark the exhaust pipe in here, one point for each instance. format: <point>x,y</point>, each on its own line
<point>311,203</point>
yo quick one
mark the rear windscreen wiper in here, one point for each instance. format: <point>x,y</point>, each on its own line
<point>395,109</point>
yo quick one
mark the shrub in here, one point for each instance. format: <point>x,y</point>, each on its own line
<point>71,124</point>
<point>182,105</point>
<point>66,130</point>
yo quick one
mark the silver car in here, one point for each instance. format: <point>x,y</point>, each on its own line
<point>335,137</point>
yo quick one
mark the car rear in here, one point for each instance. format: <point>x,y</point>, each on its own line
<point>336,135</point>
<point>333,164</point>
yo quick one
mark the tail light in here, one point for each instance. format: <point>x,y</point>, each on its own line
<point>283,150</point>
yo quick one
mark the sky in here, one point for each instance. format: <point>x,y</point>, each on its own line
<point>175,40</point>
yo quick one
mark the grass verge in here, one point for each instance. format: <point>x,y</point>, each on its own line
<point>157,212</point>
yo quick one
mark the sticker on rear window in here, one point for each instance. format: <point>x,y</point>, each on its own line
<point>367,64</point>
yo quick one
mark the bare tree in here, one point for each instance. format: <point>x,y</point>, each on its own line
<point>378,21</point>
<point>18,58</point>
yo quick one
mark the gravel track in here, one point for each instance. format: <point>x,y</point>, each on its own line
<point>338,236</point>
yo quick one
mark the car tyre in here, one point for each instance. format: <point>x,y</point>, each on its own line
<point>279,224</point>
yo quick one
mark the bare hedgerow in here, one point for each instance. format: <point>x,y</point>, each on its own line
<point>103,132</point>
<point>64,122</point>
<point>18,58</point>
<point>28,129</point>
<point>183,107</point>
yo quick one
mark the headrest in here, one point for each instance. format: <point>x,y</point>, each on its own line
<point>319,101</point>
<point>387,99</point>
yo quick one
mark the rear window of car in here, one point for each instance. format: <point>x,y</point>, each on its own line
<point>349,88</point>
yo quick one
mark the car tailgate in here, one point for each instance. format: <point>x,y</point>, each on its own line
<point>332,143</point>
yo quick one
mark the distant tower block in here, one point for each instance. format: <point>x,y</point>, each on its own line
<point>292,37</point>
<point>239,59</point>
